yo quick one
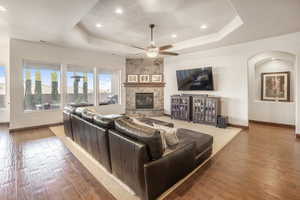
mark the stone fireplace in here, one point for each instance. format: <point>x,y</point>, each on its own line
<point>144,98</point>
<point>144,101</point>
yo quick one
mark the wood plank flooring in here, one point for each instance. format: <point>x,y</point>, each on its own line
<point>262,163</point>
<point>35,165</point>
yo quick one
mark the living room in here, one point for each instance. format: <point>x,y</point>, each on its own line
<point>138,100</point>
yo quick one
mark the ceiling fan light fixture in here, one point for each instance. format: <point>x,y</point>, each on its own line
<point>2,8</point>
<point>203,26</point>
<point>152,52</point>
<point>119,11</point>
<point>99,25</point>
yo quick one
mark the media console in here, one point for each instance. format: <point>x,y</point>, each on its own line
<point>196,108</point>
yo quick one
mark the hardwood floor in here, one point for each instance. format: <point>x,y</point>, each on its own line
<point>34,164</point>
<point>260,163</point>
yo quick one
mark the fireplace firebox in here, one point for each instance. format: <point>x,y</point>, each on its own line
<point>144,101</point>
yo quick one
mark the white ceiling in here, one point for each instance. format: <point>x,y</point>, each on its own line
<point>72,22</point>
<point>171,16</point>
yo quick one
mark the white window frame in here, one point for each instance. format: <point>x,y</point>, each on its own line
<point>78,68</point>
<point>63,70</point>
<point>60,79</point>
<point>105,71</point>
<point>6,88</point>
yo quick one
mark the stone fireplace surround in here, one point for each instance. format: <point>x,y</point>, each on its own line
<point>144,66</point>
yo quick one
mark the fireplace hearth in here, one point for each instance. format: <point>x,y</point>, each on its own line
<point>144,101</point>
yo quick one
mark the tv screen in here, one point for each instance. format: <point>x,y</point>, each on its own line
<point>195,79</point>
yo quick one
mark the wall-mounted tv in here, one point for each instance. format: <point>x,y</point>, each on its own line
<point>195,79</point>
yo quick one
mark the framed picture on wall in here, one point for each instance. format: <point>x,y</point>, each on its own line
<point>275,86</point>
<point>132,78</point>
<point>156,78</point>
<point>144,78</point>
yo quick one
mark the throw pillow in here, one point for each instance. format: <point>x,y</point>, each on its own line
<point>161,131</point>
<point>170,134</point>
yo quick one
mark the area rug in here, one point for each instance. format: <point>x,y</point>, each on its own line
<point>119,190</point>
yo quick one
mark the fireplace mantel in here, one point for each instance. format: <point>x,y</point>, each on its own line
<point>144,84</point>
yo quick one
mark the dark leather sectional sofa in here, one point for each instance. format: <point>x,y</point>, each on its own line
<point>133,153</point>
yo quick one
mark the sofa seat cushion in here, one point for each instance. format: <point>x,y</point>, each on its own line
<point>174,148</point>
<point>146,135</point>
<point>203,141</point>
<point>150,122</point>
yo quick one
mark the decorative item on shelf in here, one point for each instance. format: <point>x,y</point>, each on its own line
<point>132,79</point>
<point>275,86</point>
<point>222,121</point>
<point>156,78</point>
<point>144,78</point>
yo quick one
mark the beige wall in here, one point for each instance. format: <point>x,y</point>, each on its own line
<point>231,73</point>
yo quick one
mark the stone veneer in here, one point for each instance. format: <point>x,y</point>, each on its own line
<point>145,66</point>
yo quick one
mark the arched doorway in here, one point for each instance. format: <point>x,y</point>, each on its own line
<point>272,64</point>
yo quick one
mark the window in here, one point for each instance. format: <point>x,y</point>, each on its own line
<point>109,87</point>
<point>2,87</point>
<point>41,86</point>
<point>80,88</point>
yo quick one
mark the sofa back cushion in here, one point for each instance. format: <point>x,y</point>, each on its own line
<point>107,121</point>
<point>103,122</point>
<point>70,109</point>
<point>87,114</point>
<point>146,135</point>
<point>78,111</point>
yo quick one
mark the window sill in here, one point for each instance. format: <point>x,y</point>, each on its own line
<point>42,111</point>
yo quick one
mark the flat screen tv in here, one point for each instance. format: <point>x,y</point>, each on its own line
<point>195,79</point>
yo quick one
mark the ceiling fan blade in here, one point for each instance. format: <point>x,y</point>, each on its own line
<point>168,53</point>
<point>165,47</point>
<point>137,47</point>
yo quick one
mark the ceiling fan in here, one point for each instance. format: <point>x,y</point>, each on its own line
<point>152,51</point>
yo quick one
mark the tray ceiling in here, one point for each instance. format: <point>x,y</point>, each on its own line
<point>72,23</point>
<point>180,17</point>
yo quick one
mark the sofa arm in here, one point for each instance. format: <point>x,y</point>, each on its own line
<point>163,173</point>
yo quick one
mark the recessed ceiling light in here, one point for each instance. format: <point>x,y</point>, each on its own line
<point>119,11</point>
<point>174,36</point>
<point>204,26</point>
<point>99,25</point>
<point>3,9</point>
